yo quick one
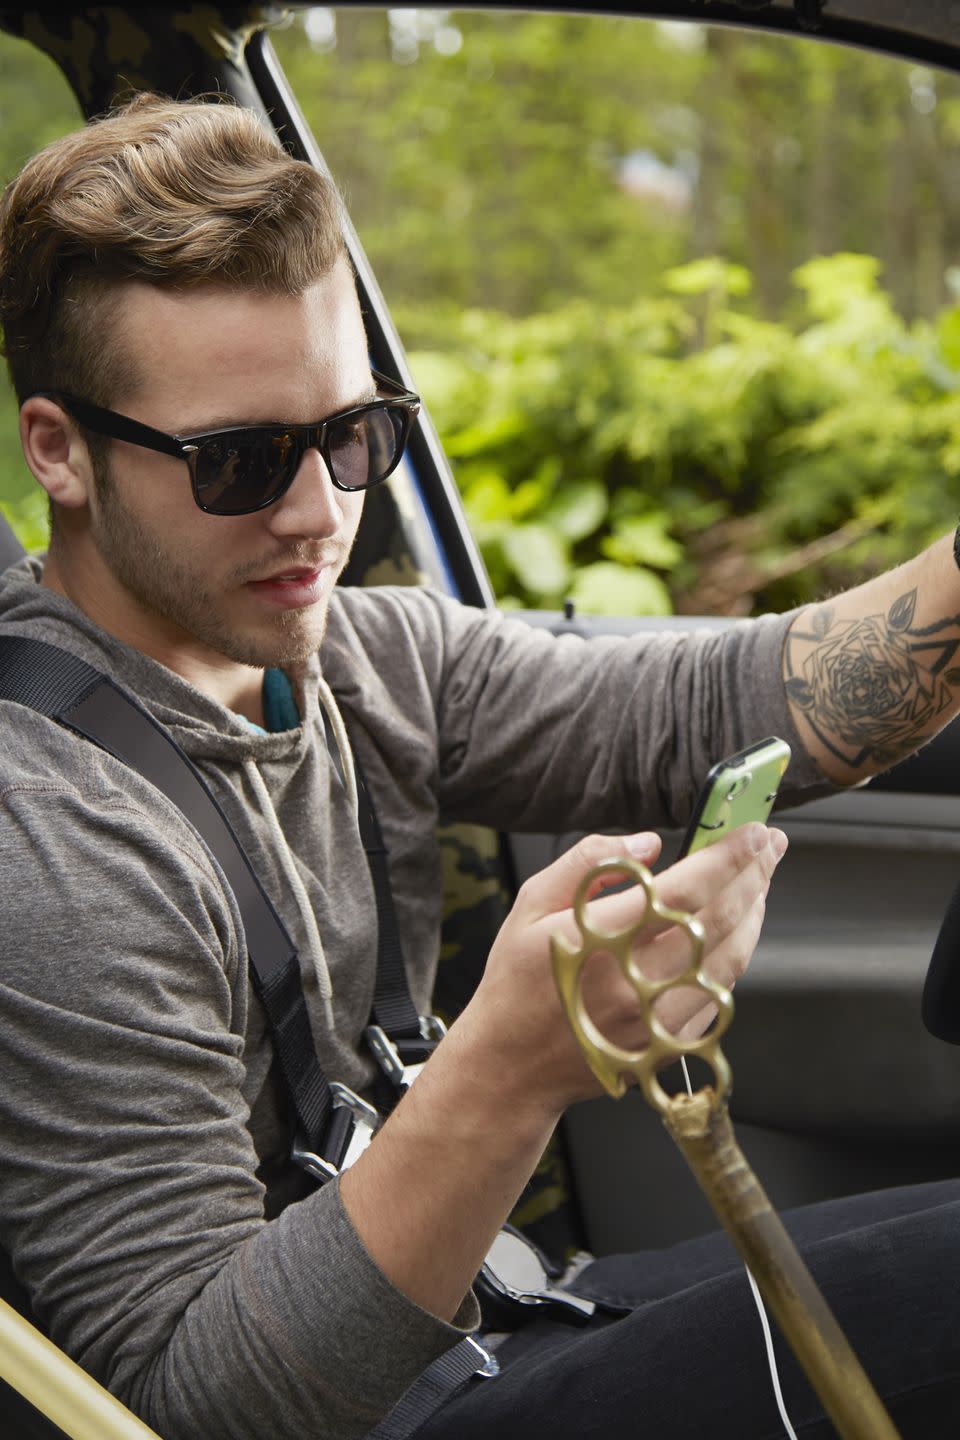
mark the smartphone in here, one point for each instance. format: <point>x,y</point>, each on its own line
<point>743,787</point>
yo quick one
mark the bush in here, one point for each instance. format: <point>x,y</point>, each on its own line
<point>680,454</point>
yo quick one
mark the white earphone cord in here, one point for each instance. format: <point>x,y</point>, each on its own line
<point>764,1321</point>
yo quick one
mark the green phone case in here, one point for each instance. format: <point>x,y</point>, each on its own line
<point>741,788</point>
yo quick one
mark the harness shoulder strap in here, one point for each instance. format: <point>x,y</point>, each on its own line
<point>81,698</point>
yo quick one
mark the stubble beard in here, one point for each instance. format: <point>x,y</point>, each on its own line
<point>164,585</point>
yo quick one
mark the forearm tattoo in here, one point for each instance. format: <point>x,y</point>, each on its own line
<point>872,687</point>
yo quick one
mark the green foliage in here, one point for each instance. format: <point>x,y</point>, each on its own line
<point>489,175</point>
<point>608,456</point>
<point>540,157</point>
<point>655,398</point>
<point>647,403</point>
<point>37,106</point>
<point>29,519</point>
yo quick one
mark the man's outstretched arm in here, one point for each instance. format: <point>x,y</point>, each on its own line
<point>874,673</point>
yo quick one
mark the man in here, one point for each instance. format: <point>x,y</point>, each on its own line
<point>170,266</point>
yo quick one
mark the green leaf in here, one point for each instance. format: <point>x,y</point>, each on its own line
<point>527,498</point>
<point>495,433</point>
<point>578,510</point>
<point>643,540</point>
<point>608,589</point>
<point>538,557</point>
<point>699,277</point>
<point>29,519</point>
<point>948,336</point>
<point>487,498</point>
<point>833,282</point>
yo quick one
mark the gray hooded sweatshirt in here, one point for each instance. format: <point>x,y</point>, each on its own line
<point>139,1111</point>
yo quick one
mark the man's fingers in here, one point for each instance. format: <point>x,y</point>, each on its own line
<point>726,955</point>
<point>692,883</point>
<point>724,886</point>
<point>685,1010</point>
<point>726,911</point>
<point>715,885</point>
<point>553,889</point>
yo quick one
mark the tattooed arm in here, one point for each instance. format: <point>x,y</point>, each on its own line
<point>875,672</point>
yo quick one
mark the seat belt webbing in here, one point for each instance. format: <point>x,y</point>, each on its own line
<point>393,1008</point>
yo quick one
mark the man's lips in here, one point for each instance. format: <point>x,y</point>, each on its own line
<point>301,572</point>
<point>293,569</point>
<point>292,588</point>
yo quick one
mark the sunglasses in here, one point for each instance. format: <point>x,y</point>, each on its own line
<point>246,468</point>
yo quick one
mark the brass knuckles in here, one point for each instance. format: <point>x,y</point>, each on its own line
<point>608,1061</point>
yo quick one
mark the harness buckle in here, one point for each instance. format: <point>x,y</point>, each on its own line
<point>488,1366</point>
<point>353,1124</point>
<point>402,1060</point>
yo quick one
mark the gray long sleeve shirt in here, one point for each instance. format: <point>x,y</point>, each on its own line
<point>138,1101</point>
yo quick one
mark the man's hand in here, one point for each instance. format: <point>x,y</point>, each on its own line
<point>724,886</point>
<point>429,1194</point>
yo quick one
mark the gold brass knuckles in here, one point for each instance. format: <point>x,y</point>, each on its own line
<point>701,1126</point>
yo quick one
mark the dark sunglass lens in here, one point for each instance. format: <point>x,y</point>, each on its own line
<point>238,474</point>
<point>365,450</point>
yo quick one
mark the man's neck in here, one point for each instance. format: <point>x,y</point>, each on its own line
<point>236,686</point>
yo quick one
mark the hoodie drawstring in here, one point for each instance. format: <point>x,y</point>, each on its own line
<point>282,851</point>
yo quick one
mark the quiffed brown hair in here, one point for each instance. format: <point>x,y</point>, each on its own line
<point>176,193</point>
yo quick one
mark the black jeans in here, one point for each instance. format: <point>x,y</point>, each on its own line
<point>689,1360</point>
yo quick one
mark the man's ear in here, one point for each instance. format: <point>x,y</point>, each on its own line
<point>55,452</point>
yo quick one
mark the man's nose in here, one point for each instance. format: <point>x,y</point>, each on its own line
<point>312,506</point>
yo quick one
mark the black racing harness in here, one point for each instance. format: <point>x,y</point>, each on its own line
<point>333,1124</point>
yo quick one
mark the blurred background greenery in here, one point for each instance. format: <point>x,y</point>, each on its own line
<point>680,299</point>
<point>36,106</point>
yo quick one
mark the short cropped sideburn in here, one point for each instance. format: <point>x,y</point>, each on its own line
<point>175,193</point>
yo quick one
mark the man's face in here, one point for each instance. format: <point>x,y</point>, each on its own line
<point>193,589</point>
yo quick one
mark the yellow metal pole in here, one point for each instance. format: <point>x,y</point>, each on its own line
<point>58,1388</point>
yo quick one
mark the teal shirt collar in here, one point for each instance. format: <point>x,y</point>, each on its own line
<point>279,707</point>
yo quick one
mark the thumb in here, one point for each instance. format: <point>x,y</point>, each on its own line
<point>553,888</point>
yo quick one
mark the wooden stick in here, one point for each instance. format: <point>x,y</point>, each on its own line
<point>704,1134</point>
